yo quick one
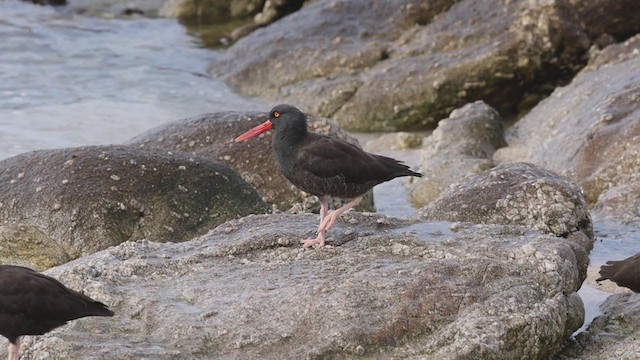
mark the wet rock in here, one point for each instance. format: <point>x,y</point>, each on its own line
<point>404,65</point>
<point>611,336</point>
<point>212,136</point>
<point>210,11</point>
<point>76,201</point>
<point>462,145</point>
<point>275,9</point>
<point>220,22</point>
<point>589,131</point>
<point>391,289</point>
<point>516,194</point>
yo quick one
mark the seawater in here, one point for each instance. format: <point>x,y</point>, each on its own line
<point>70,80</point>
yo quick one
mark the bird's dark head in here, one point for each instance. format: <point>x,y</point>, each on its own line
<point>287,117</point>
<point>284,119</point>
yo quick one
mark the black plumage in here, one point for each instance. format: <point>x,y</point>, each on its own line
<point>34,304</point>
<point>327,166</point>
<point>625,272</point>
<point>324,166</point>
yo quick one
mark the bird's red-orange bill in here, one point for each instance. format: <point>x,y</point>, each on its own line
<point>265,126</point>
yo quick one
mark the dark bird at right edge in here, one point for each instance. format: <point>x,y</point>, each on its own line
<point>625,272</point>
<point>324,166</point>
<point>34,304</point>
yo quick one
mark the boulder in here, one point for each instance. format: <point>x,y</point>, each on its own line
<point>386,288</point>
<point>212,136</point>
<point>405,64</point>
<point>57,205</point>
<point>462,145</point>
<point>589,131</point>
<point>516,193</point>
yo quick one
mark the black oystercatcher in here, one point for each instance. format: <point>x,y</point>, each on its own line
<point>625,272</point>
<point>34,304</point>
<point>324,166</point>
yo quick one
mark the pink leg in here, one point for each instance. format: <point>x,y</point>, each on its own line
<point>324,210</point>
<point>331,219</point>
<point>14,350</point>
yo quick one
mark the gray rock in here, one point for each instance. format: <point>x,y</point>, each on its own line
<point>589,131</point>
<point>405,64</point>
<point>210,11</point>
<point>391,289</point>
<point>515,193</point>
<point>394,141</point>
<point>220,22</point>
<point>212,136</point>
<point>611,336</point>
<point>462,145</point>
<point>57,205</point>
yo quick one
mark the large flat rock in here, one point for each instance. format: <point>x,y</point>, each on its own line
<point>387,288</point>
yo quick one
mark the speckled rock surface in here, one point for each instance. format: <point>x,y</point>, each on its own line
<point>57,205</point>
<point>515,193</point>
<point>212,136</point>
<point>462,145</point>
<point>389,289</point>
<point>405,64</point>
<point>589,131</point>
<point>611,336</point>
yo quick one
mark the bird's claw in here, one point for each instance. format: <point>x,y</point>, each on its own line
<point>310,242</point>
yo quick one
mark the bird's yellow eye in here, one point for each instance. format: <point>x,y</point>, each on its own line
<point>276,114</point>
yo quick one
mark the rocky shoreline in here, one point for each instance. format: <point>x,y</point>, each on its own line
<point>193,239</point>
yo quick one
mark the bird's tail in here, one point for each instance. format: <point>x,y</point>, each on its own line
<point>100,309</point>
<point>397,168</point>
<point>409,172</point>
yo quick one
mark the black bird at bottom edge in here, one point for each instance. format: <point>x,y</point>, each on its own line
<point>34,304</point>
<point>625,273</point>
<point>324,166</point>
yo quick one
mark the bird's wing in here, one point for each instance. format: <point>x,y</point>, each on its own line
<point>326,157</point>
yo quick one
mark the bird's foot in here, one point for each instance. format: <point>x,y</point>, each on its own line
<point>310,242</point>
